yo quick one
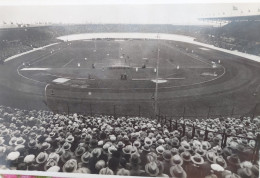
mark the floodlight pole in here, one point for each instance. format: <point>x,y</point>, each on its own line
<point>156,84</point>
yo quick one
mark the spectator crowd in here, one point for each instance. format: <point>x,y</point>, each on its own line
<point>127,146</point>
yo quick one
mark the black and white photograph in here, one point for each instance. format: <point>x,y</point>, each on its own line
<point>130,88</point>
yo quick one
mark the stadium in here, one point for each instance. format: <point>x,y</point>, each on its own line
<point>131,99</point>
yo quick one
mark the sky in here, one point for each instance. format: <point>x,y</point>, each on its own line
<point>118,11</point>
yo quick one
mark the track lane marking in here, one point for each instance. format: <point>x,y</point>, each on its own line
<point>67,63</point>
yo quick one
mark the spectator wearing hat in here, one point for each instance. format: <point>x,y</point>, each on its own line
<point>123,172</point>
<point>99,165</point>
<point>167,161</point>
<point>114,161</point>
<point>195,169</point>
<point>143,156</point>
<point>106,171</point>
<point>245,173</point>
<point>134,165</point>
<point>70,166</point>
<point>177,171</point>
<point>233,163</point>
<point>151,170</point>
<point>186,157</point>
<point>94,159</point>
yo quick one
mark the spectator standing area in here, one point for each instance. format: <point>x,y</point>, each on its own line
<point>133,146</point>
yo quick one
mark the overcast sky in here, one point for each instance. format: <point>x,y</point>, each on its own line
<point>142,13</point>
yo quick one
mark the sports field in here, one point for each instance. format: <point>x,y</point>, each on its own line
<point>120,76</point>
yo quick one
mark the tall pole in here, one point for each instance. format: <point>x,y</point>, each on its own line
<point>156,84</point>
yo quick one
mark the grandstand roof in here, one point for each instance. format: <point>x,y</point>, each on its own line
<point>234,18</point>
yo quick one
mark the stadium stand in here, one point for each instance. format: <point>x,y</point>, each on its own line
<point>17,40</point>
<point>136,146</point>
<point>231,36</point>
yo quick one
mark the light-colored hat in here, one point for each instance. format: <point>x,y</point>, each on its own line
<point>54,156</point>
<point>29,158</point>
<point>152,169</point>
<point>106,171</point>
<point>197,159</point>
<point>80,150</point>
<point>210,155</point>
<point>83,170</point>
<point>167,155</point>
<point>221,161</point>
<point>19,141</point>
<point>54,169</point>
<point>70,166</point>
<point>96,152</point>
<point>100,164</point>
<point>160,149</point>
<point>42,157</point>
<point>123,172</point>
<point>13,155</point>
<point>177,171</point>
<point>85,157</point>
<point>176,160</point>
<point>217,167</point>
<point>70,139</point>
<point>186,156</point>
<point>112,149</point>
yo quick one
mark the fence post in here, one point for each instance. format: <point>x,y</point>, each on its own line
<point>139,110</point>
<point>114,111</point>
<point>256,149</point>
<point>68,109</point>
<point>90,108</point>
<point>170,124</point>
<point>176,124</point>
<point>206,133</point>
<point>254,111</point>
<point>193,130</point>
<point>232,112</point>
<point>224,139</point>
<point>209,112</point>
<point>184,129</point>
<point>184,110</point>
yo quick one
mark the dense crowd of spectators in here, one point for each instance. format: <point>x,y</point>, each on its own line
<point>135,146</point>
<point>19,40</point>
<point>242,36</point>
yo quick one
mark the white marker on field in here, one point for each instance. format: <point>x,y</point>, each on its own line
<point>89,93</point>
<point>86,58</point>
<point>107,54</point>
<point>155,70</point>
<point>136,69</point>
<point>78,64</point>
<point>178,67</point>
<point>219,61</point>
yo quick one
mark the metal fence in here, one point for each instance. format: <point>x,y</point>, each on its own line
<point>146,110</point>
<point>173,124</point>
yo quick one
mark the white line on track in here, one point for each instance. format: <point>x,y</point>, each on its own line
<point>67,63</point>
<point>45,91</point>
<point>18,72</point>
<point>192,56</point>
